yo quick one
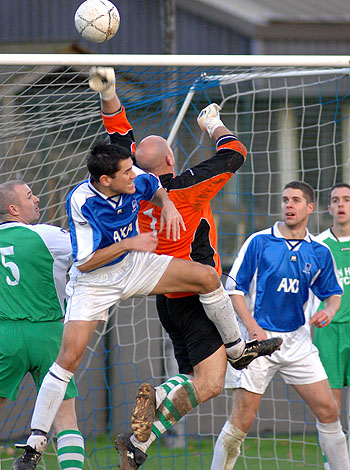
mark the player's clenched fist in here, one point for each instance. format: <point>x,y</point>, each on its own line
<point>145,241</point>
<point>209,118</point>
<point>102,79</point>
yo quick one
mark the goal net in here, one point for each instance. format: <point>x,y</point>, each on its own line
<point>291,113</point>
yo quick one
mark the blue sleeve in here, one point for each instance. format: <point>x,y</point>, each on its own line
<point>245,266</point>
<point>326,284</point>
<point>84,231</point>
<point>147,185</point>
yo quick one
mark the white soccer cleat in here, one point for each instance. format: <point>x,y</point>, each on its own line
<point>32,452</point>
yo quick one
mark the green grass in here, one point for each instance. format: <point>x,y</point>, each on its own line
<point>197,455</point>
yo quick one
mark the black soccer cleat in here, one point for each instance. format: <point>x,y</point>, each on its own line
<point>131,457</point>
<point>254,349</point>
<point>28,460</point>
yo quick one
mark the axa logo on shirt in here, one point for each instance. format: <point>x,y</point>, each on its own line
<point>122,233</point>
<point>289,285</point>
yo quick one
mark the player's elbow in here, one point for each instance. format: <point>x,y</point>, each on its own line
<point>86,264</point>
<point>83,268</point>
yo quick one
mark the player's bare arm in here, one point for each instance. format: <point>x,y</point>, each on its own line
<point>254,330</point>
<point>170,217</point>
<point>142,242</point>
<point>323,317</point>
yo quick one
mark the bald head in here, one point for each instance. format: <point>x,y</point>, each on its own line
<point>18,203</point>
<point>9,195</point>
<point>153,154</point>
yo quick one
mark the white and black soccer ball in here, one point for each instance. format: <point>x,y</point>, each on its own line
<point>97,20</point>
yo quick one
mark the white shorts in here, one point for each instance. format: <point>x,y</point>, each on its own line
<point>92,294</point>
<point>297,361</point>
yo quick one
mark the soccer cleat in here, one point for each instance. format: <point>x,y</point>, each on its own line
<point>28,460</point>
<point>131,457</point>
<point>144,411</point>
<point>254,349</point>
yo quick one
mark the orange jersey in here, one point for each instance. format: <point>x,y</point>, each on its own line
<point>119,129</point>
<point>191,193</point>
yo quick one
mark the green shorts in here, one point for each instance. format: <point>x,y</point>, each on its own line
<point>28,347</point>
<point>333,343</point>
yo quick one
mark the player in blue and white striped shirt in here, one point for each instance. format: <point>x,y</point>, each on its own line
<point>270,285</point>
<point>98,220</point>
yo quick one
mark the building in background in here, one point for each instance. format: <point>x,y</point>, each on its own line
<point>202,27</point>
<point>279,146</point>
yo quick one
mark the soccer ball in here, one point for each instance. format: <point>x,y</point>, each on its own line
<point>97,20</point>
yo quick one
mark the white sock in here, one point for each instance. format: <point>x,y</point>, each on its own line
<point>70,450</point>
<point>227,448</point>
<point>333,444</point>
<point>325,463</point>
<point>50,397</point>
<point>218,308</point>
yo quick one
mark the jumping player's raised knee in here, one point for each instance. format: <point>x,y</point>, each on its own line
<point>208,279</point>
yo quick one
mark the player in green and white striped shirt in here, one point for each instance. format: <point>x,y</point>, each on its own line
<point>333,341</point>
<point>33,264</point>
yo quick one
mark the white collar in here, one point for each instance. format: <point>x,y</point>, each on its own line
<point>276,232</point>
<point>115,198</point>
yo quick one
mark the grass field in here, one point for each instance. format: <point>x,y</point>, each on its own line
<point>197,455</point>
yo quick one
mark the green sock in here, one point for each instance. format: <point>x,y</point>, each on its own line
<point>181,397</point>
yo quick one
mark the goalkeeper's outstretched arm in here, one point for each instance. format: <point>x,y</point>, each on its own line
<point>102,79</point>
<point>209,121</point>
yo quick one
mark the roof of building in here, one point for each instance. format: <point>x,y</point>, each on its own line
<point>277,17</point>
<point>267,11</point>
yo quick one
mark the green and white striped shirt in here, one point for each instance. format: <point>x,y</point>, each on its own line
<point>33,266</point>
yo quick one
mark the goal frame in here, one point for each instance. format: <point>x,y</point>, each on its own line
<point>307,62</point>
<point>177,60</point>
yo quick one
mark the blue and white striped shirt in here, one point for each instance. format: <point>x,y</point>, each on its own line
<point>97,221</point>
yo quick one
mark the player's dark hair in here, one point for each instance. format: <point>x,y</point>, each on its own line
<point>306,189</point>
<point>338,185</point>
<point>104,159</point>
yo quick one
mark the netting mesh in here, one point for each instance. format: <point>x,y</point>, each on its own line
<point>295,125</point>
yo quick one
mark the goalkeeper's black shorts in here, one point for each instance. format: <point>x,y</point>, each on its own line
<point>193,335</point>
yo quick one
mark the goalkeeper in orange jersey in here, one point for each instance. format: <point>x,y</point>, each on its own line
<point>112,262</point>
<point>198,345</point>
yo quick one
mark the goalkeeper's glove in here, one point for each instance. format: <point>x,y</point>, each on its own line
<point>102,79</point>
<point>209,118</point>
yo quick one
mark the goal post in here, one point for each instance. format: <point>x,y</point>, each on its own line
<point>178,60</point>
<point>293,115</point>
